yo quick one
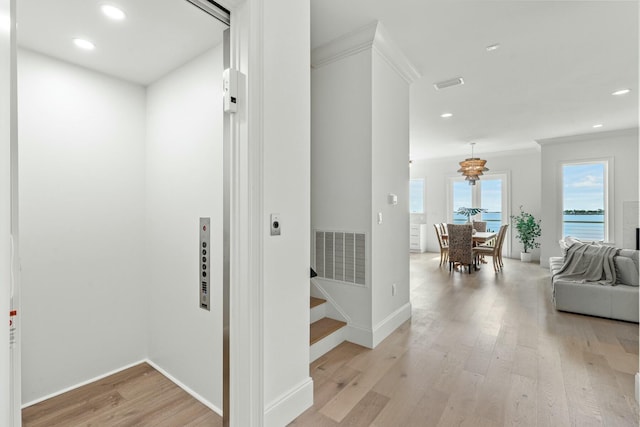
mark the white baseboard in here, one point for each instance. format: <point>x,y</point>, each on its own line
<point>390,324</point>
<point>83,383</point>
<point>195,395</point>
<point>289,405</point>
<point>638,387</point>
<point>359,335</point>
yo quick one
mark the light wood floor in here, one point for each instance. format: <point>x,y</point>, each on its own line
<point>483,349</point>
<point>139,396</point>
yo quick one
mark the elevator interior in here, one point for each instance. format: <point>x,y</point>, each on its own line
<point>120,154</point>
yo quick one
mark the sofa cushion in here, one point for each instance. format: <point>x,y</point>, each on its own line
<point>626,271</point>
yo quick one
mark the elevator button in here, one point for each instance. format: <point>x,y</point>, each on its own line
<point>204,244</point>
<point>204,274</point>
<point>204,252</point>
<point>204,259</point>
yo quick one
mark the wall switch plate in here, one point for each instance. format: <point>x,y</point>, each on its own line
<point>204,256</point>
<point>393,290</point>
<point>276,226</point>
<point>379,217</point>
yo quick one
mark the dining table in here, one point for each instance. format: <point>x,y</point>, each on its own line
<point>479,237</point>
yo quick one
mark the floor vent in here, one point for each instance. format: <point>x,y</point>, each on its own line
<point>340,256</point>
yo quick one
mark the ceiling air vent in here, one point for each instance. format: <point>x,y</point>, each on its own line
<point>448,83</point>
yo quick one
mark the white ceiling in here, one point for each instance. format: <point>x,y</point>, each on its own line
<point>157,36</point>
<point>552,76</point>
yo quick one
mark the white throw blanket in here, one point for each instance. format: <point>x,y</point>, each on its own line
<point>589,263</point>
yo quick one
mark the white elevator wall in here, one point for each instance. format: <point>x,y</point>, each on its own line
<point>81,139</point>
<point>184,182</point>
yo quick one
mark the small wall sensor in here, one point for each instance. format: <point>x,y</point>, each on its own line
<point>393,199</point>
<point>275,224</point>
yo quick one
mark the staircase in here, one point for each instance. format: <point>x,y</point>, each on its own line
<point>325,332</point>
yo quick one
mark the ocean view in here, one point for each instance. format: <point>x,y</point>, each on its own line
<point>587,227</point>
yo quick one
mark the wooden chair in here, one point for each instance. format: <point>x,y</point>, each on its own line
<point>444,245</point>
<point>460,245</point>
<point>479,225</point>
<point>494,251</point>
<point>501,242</point>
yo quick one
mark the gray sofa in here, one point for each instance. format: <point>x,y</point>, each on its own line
<point>619,301</point>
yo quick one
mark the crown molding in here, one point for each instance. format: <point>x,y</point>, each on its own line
<point>370,37</point>
<point>590,136</point>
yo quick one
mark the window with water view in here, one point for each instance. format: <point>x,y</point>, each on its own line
<point>416,196</point>
<point>583,200</point>
<point>487,194</point>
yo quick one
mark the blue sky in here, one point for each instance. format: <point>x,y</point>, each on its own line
<point>491,193</point>
<point>583,186</point>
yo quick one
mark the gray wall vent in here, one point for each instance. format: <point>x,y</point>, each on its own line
<point>341,256</point>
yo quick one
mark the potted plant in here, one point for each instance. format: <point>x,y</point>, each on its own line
<point>528,230</point>
<point>469,212</point>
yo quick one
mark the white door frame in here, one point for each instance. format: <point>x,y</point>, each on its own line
<point>246,319</point>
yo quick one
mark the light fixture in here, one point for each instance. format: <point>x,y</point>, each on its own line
<point>492,47</point>
<point>446,115</point>
<point>84,44</point>
<point>472,167</point>
<point>621,92</point>
<point>596,126</point>
<point>113,12</point>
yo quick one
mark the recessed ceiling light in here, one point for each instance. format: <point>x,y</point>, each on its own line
<point>599,125</point>
<point>493,47</point>
<point>621,92</point>
<point>84,44</point>
<point>446,115</point>
<point>113,12</point>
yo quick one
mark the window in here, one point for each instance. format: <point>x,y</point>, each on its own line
<point>462,197</point>
<point>584,200</point>
<point>491,200</point>
<point>489,193</point>
<point>416,196</point>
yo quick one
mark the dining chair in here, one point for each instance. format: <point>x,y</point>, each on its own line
<point>479,225</point>
<point>493,251</point>
<point>501,242</point>
<point>444,245</point>
<point>460,245</point>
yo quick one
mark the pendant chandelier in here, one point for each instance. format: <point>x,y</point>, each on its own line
<point>472,167</point>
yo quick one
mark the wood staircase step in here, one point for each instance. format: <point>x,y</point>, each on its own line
<point>316,302</point>
<point>323,328</point>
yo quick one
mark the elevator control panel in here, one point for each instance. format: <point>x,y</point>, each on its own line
<point>204,250</point>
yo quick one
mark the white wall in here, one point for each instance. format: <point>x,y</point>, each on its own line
<point>6,117</point>
<point>288,389</point>
<point>390,174</point>
<point>619,146</point>
<point>184,183</point>
<point>360,154</point>
<point>341,166</point>
<point>524,189</point>
<point>81,203</point>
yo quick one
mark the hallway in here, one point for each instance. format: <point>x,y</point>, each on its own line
<point>482,350</point>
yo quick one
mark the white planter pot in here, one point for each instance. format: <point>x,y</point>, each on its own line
<point>525,256</point>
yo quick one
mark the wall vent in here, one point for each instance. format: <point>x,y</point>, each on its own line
<point>341,256</point>
<point>448,83</point>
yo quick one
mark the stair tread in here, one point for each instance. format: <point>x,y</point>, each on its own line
<point>316,301</point>
<point>323,328</point>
